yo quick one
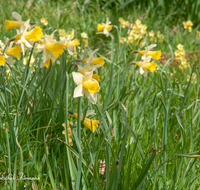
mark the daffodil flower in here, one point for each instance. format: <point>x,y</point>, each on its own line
<point>69,44</point>
<point>105,27</point>
<point>146,65</point>
<point>26,39</point>
<point>12,51</point>
<point>86,85</point>
<point>51,49</point>
<point>92,63</point>
<point>14,24</point>
<point>89,123</point>
<point>69,133</point>
<point>155,54</point>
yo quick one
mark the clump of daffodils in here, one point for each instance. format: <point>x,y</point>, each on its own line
<point>193,78</point>
<point>197,33</point>
<point>180,56</point>
<point>69,133</point>
<point>135,32</point>
<point>123,22</point>
<point>188,25</point>
<point>44,21</point>
<point>156,36</point>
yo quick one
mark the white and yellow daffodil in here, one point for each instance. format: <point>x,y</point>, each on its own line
<point>69,44</point>
<point>155,54</point>
<point>89,123</point>
<point>26,39</point>
<point>92,63</point>
<point>105,27</point>
<point>146,65</point>
<point>12,51</point>
<point>51,49</point>
<point>86,85</point>
<point>14,24</point>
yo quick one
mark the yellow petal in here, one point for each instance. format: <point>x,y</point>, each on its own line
<point>55,48</point>
<point>150,66</point>
<point>74,42</point>
<point>12,24</point>
<point>91,124</point>
<point>98,61</point>
<point>15,51</point>
<point>108,27</point>
<point>100,27</point>
<point>35,34</point>
<point>47,63</point>
<point>2,60</point>
<point>96,77</point>
<point>69,134</point>
<point>91,86</point>
<point>17,37</point>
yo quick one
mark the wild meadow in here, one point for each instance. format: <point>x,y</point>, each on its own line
<point>99,94</point>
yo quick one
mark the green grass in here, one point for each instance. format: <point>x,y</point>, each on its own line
<point>148,131</point>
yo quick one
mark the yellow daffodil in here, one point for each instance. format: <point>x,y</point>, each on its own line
<point>123,22</point>
<point>105,27</point>
<point>26,39</point>
<point>84,35</point>
<point>44,21</point>
<point>14,24</point>
<point>89,123</point>
<point>2,60</point>
<point>12,51</point>
<point>51,49</point>
<point>180,47</point>
<point>69,134</point>
<point>183,64</point>
<point>86,85</point>
<point>155,54</point>
<point>188,25</point>
<point>151,33</point>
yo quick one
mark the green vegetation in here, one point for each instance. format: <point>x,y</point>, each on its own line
<point>149,127</point>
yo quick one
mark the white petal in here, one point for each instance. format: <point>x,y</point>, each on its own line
<point>150,47</point>
<point>145,72</point>
<point>91,55</point>
<point>80,68</point>
<point>141,70</point>
<point>88,75</point>
<point>45,56</point>
<point>78,91</point>
<point>70,52</point>
<point>78,78</point>
<point>26,42</point>
<point>92,97</point>
<point>22,47</point>
<point>90,112</point>
<point>17,16</point>
<point>10,60</point>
